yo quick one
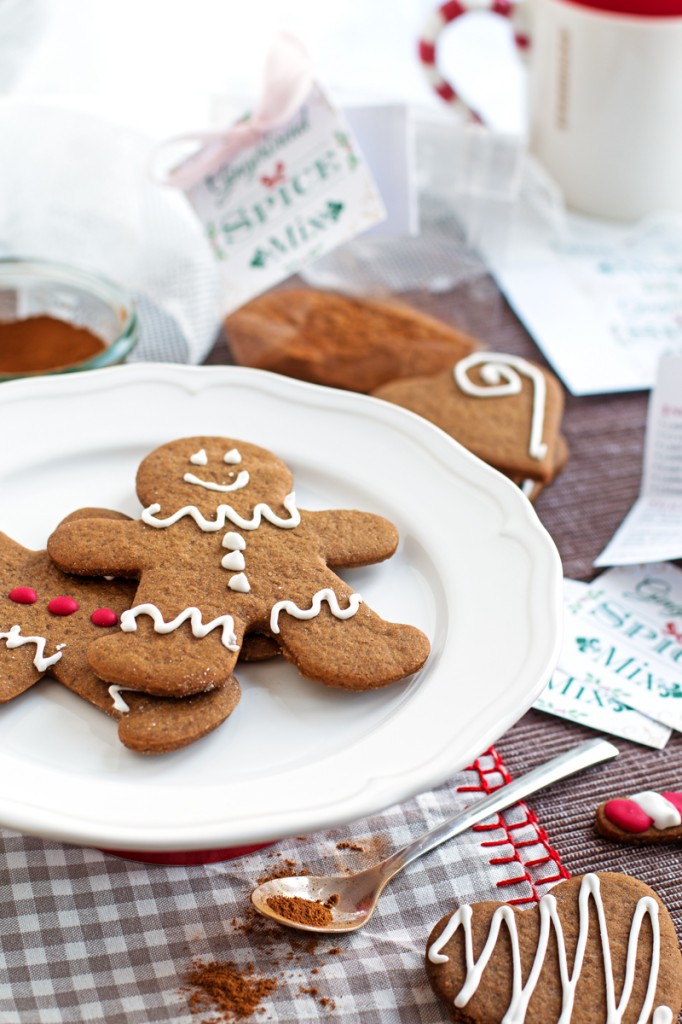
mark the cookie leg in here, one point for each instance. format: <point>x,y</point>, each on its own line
<point>156,725</point>
<point>175,664</point>
<point>151,725</point>
<point>359,653</point>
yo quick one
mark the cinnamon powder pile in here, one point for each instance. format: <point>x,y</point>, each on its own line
<point>44,343</point>
<point>226,990</point>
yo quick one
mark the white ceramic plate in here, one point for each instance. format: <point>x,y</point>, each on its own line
<point>475,570</point>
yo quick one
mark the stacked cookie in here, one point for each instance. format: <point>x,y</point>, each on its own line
<point>504,409</point>
<point>223,562</point>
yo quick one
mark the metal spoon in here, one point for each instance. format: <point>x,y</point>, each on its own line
<point>352,899</point>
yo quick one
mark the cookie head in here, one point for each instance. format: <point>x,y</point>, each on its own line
<point>597,948</point>
<point>210,471</point>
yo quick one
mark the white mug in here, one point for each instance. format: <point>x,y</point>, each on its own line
<point>604,96</point>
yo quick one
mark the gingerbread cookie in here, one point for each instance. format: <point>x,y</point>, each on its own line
<point>598,949</point>
<point>222,550</point>
<point>504,409</point>
<point>47,622</point>
<point>344,342</point>
<point>646,817</point>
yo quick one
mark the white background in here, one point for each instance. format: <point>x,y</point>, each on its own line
<point>157,64</point>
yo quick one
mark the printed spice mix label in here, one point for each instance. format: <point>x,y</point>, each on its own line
<point>299,192</point>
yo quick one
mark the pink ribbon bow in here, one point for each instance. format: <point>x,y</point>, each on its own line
<point>287,81</point>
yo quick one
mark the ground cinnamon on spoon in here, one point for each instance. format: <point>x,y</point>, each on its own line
<point>311,912</point>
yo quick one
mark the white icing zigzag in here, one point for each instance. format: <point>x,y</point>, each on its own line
<point>226,622</point>
<point>225,513</point>
<point>118,701</point>
<point>549,917</point>
<point>310,613</point>
<point>14,639</point>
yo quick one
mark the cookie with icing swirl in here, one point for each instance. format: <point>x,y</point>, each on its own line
<point>504,409</point>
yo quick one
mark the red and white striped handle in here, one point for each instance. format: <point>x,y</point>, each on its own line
<point>443,16</point>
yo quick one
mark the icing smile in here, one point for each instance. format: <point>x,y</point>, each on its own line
<point>241,481</point>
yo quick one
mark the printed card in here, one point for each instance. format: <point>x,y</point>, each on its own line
<point>605,685</point>
<point>299,192</point>
<point>651,530</point>
<point>585,702</point>
<point>621,663</point>
<point>639,610</point>
<point>602,301</point>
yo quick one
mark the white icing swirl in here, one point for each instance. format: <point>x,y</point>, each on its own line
<point>14,639</point>
<point>224,514</point>
<point>500,372</point>
<point>663,813</point>
<point>208,485</point>
<point>199,629</point>
<point>327,595</point>
<point>549,917</point>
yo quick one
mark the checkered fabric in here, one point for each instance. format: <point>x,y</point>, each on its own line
<point>88,938</point>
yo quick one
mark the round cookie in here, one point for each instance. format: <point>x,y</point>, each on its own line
<point>587,953</point>
<point>221,551</point>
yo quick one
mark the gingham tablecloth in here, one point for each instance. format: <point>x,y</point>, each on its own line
<point>88,938</point>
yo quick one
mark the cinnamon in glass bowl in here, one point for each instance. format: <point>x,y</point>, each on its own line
<point>55,319</point>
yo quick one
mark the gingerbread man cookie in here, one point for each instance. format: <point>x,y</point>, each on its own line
<point>646,817</point>
<point>598,949</point>
<point>222,550</point>
<point>504,409</point>
<point>47,622</point>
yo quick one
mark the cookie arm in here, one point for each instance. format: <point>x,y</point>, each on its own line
<point>347,538</point>
<point>101,546</point>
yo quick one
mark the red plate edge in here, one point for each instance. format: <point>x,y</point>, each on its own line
<point>186,856</point>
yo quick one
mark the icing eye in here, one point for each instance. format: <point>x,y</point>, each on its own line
<point>232,457</point>
<point>199,458</point>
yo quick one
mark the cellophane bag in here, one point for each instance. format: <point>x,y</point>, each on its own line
<point>76,189</point>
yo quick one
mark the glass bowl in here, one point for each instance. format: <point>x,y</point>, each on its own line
<point>33,288</point>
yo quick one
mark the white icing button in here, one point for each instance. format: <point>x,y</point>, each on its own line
<point>234,542</point>
<point>199,458</point>
<point>233,561</point>
<point>240,583</point>
<point>233,457</point>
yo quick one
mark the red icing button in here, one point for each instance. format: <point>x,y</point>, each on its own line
<point>104,617</point>
<point>675,799</point>
<point>62,606</point>
<point>23,595</point>
<point>627,815</point>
